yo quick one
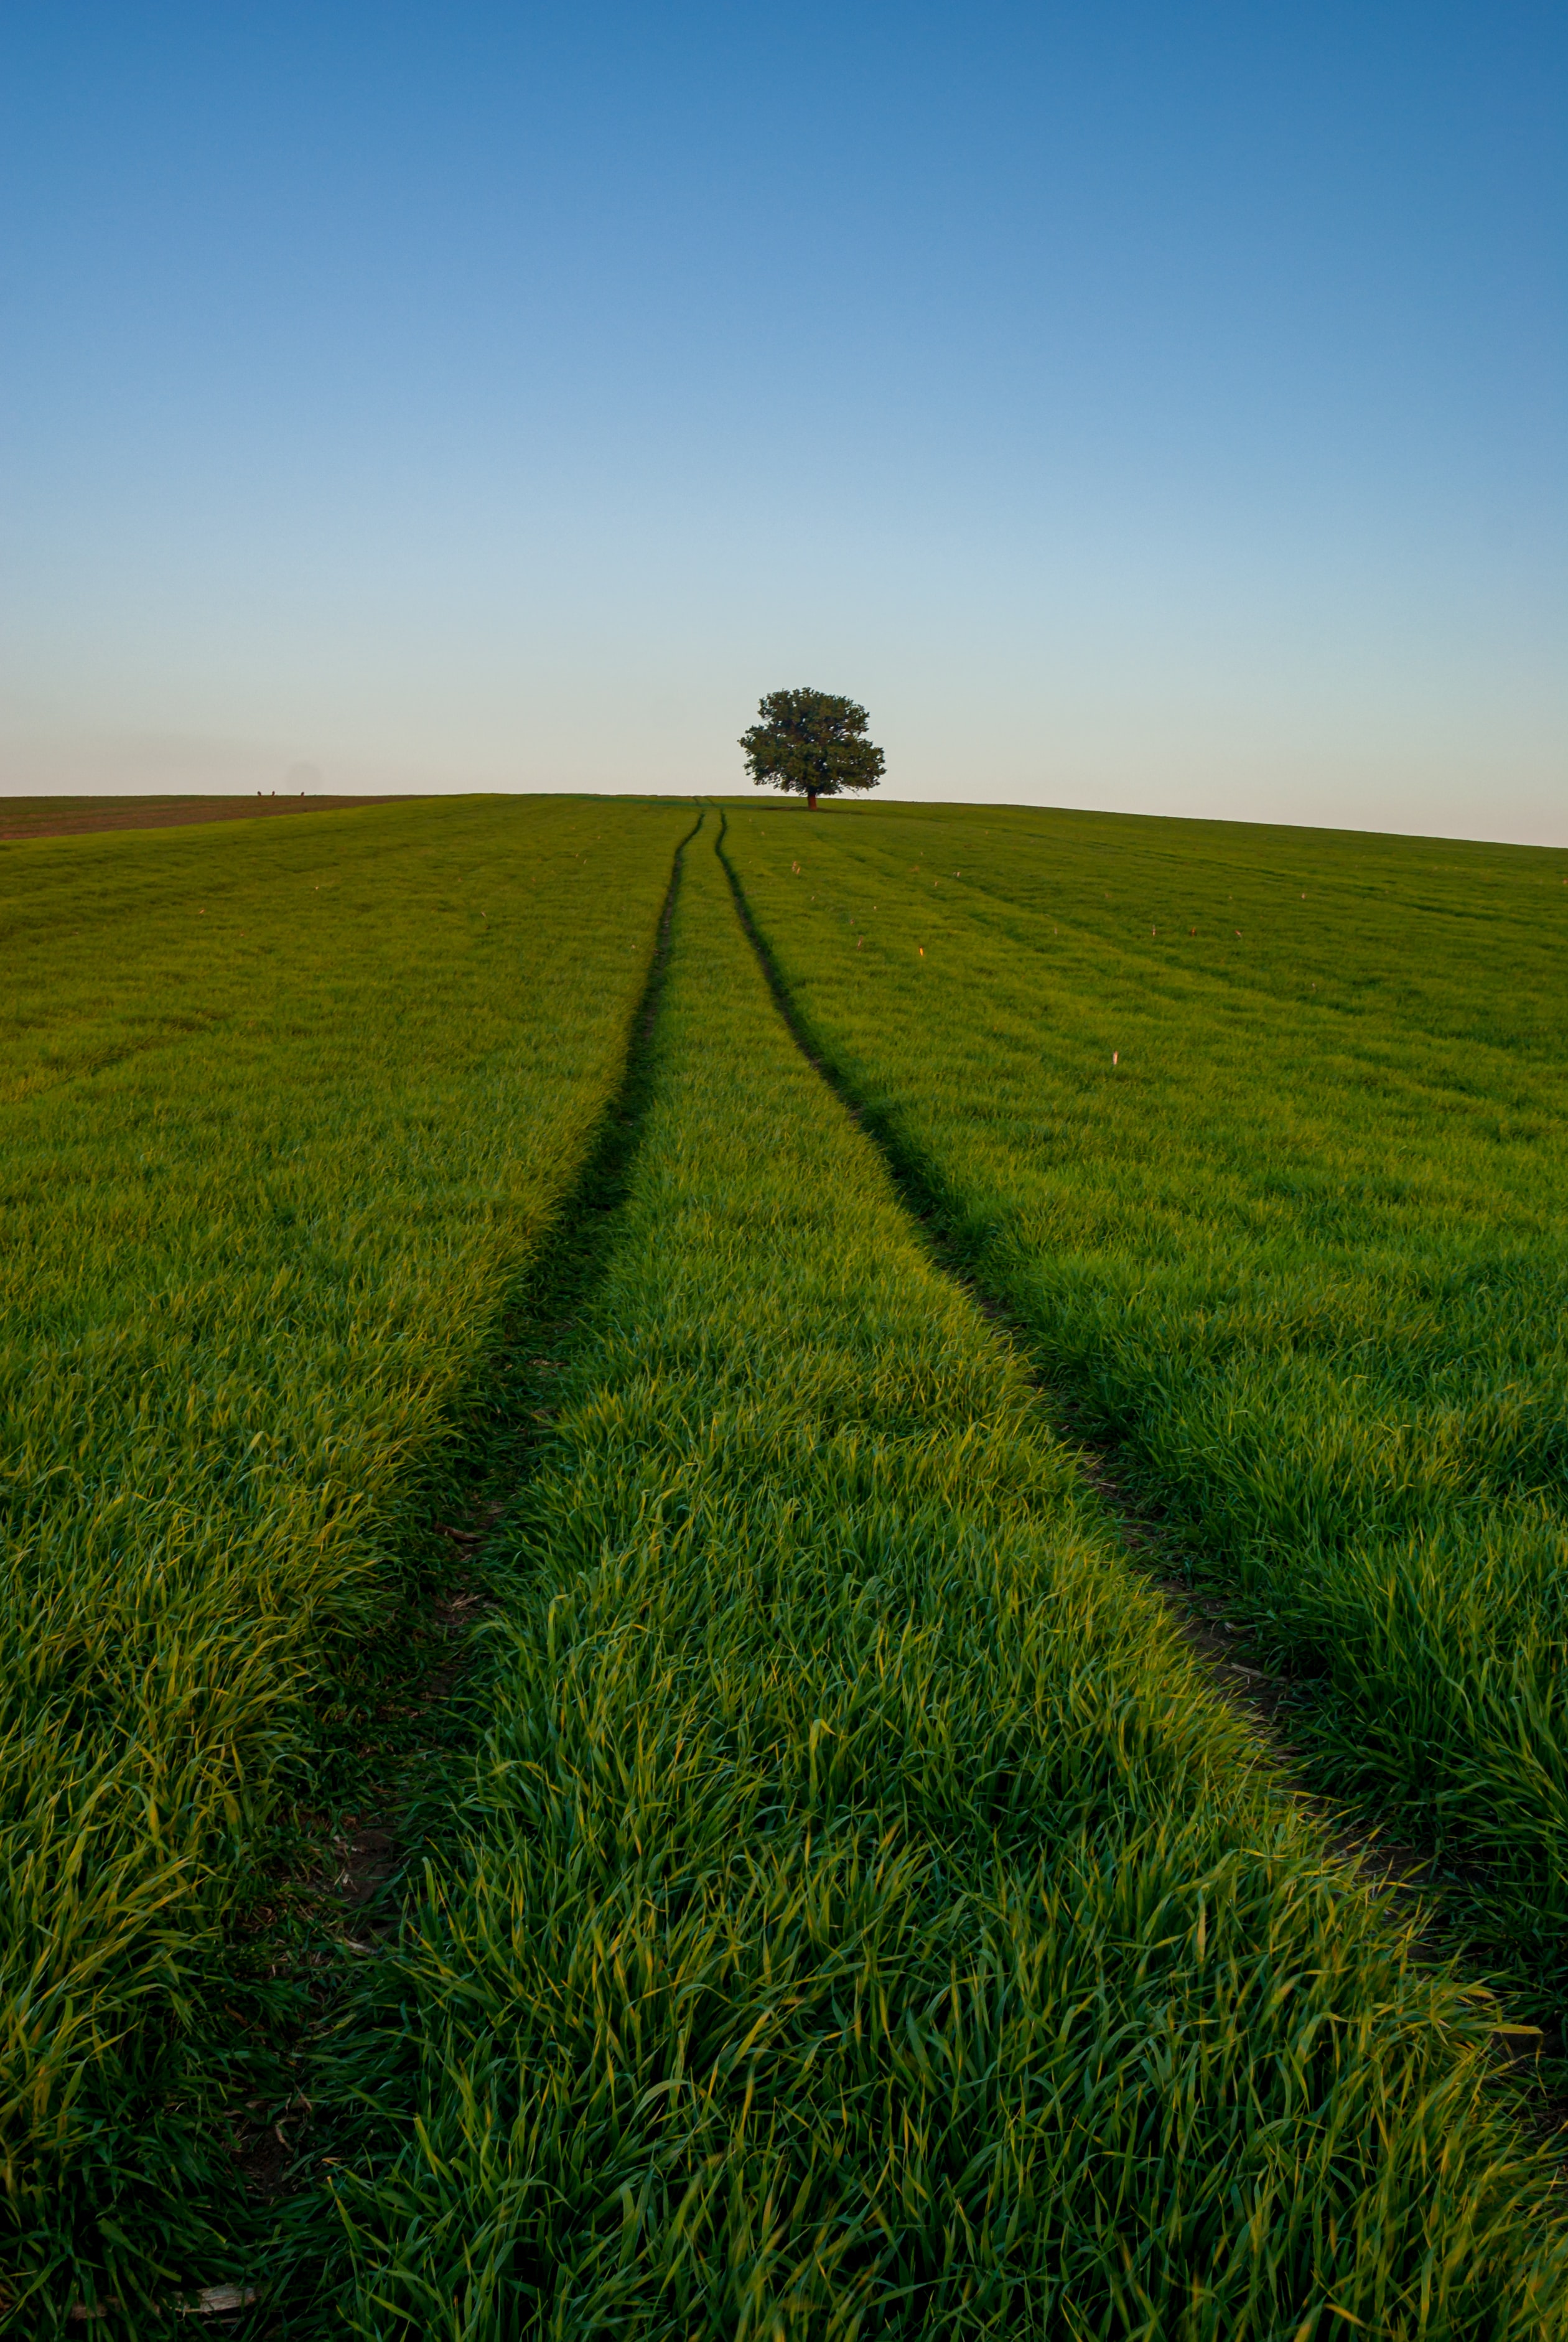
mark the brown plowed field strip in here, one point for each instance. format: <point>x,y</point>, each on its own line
<point>64,816</point>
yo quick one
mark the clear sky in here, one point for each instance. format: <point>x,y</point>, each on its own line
<point>1157,406</point>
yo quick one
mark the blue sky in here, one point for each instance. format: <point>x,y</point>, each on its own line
<point>1153,406</point>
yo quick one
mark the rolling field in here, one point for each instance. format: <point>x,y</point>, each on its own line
<point>866,1919</point>
<point>286,1110</point>
<point>848,1905</point>
<point>1300,1247</point>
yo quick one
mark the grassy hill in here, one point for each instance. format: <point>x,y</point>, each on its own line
<point>611,1448</point>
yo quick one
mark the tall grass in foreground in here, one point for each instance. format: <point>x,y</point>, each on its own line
<point>283,1110</point>
<point>1302,1246</point>
<point>858,1917</point>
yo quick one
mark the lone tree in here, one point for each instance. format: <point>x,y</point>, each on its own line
<point>814,744</point>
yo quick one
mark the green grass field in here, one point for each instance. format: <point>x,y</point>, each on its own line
<point>844,1904</point>
<point>287,1111</point>
<point>1302,1249</point>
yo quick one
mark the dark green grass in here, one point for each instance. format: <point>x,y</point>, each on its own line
<point>286,1110</point>
<point>858,1916</point>
<point>1303,1251</point>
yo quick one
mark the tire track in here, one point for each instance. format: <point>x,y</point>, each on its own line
<point>346,1899</point>
<point>1389,1870</point>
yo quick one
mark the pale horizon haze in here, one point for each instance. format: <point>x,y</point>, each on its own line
<point>1150,408</point>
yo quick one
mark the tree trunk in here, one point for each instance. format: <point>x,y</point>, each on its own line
<point>811,800</point>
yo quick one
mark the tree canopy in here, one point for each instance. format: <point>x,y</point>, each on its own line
<point>813,742</point>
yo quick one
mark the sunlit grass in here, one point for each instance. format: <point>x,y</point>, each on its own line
<point>1283,1203</point>
<point>286,1110</point>
<point>857,1916</point>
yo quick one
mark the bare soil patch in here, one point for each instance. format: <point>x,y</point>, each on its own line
<point>68,816</point>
